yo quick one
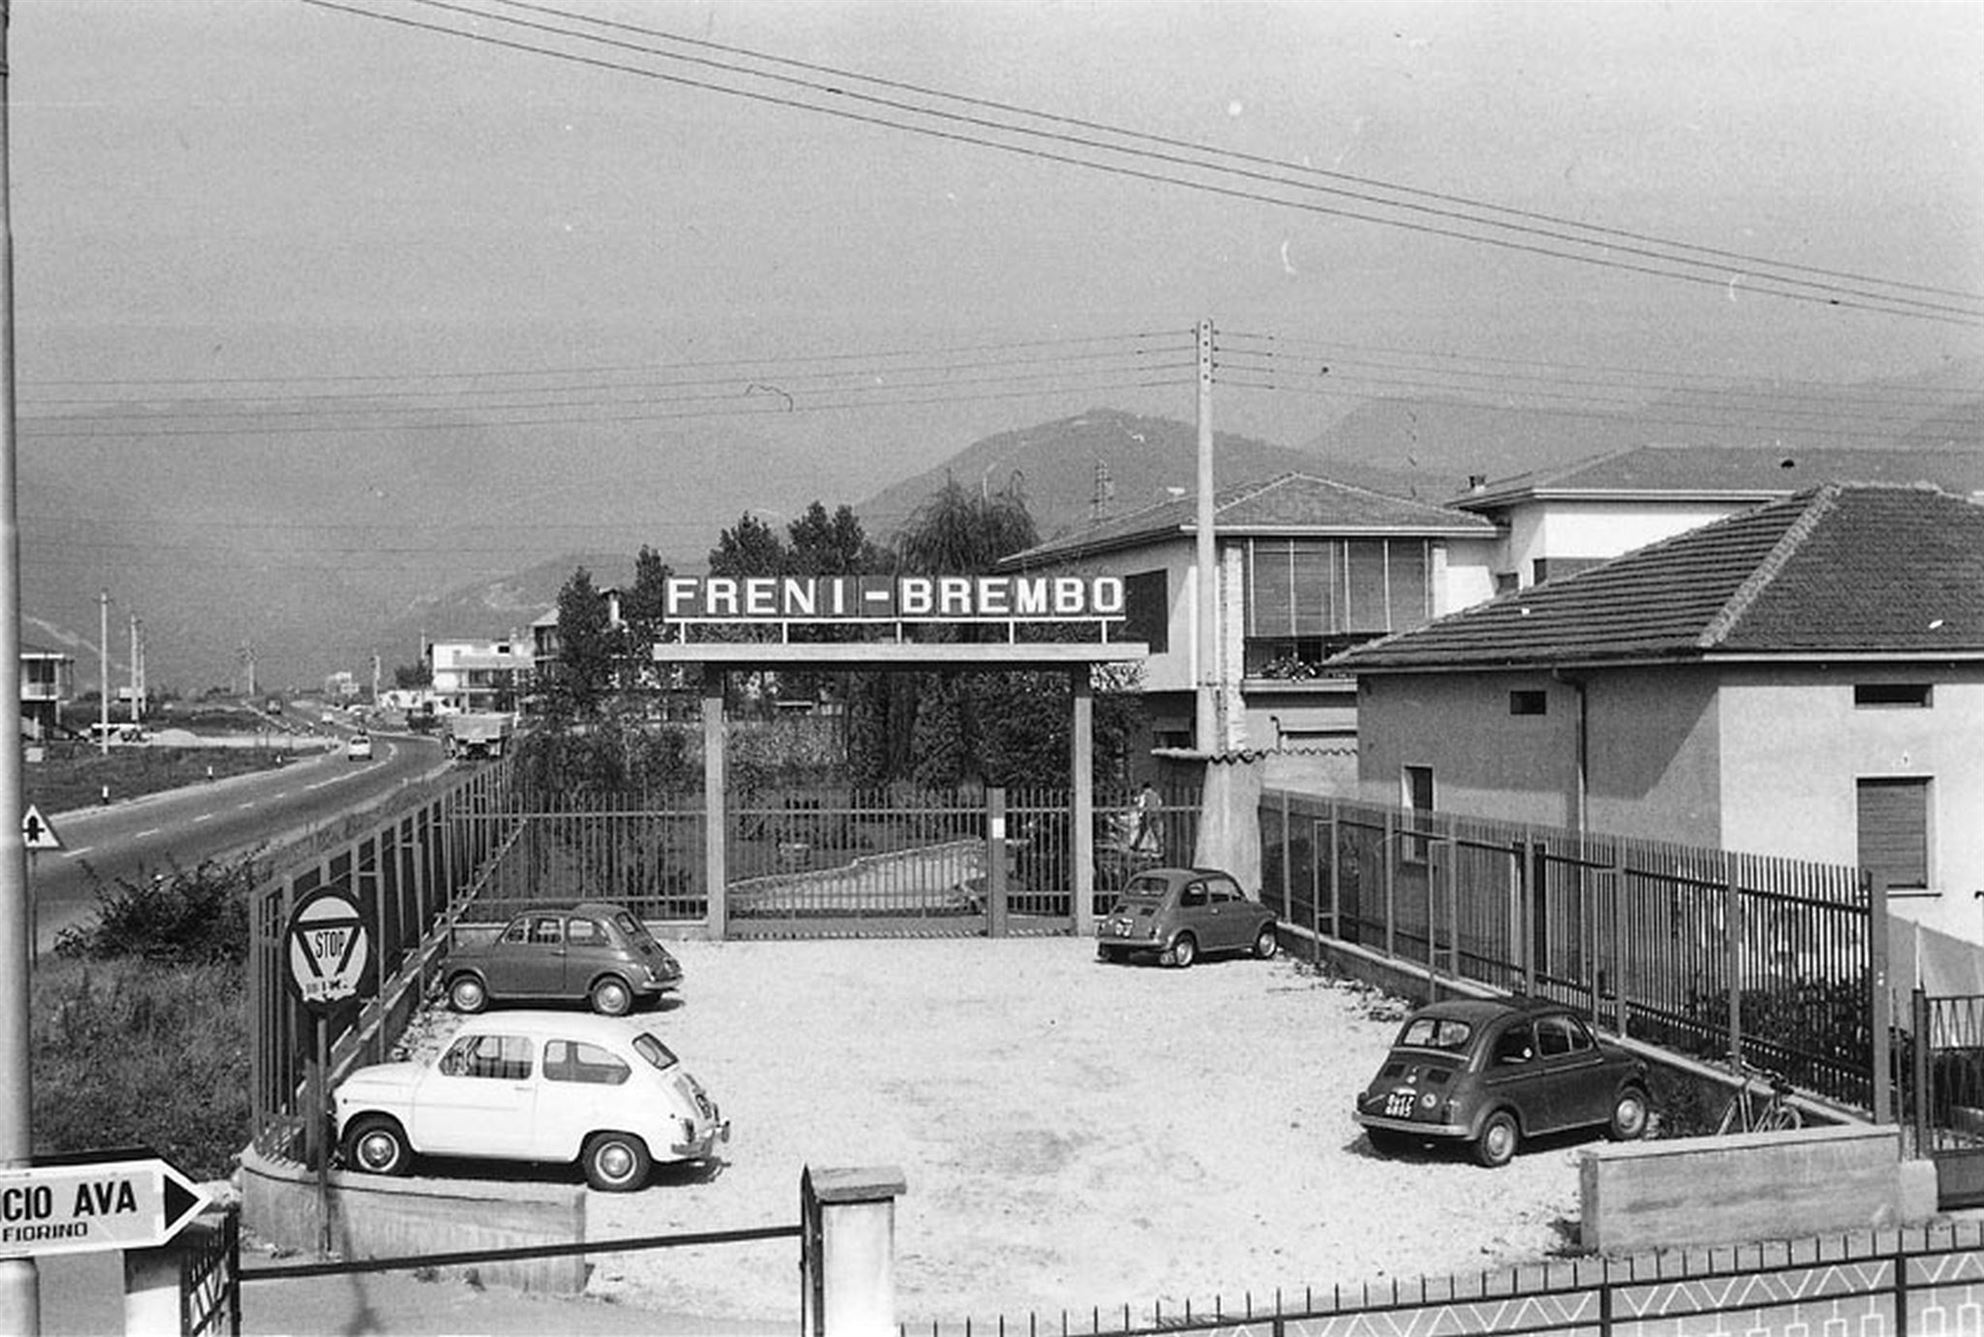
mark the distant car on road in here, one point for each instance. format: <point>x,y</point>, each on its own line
<point>534,1086</point>
<point>1492,1073</point>
<point>590,951</point>
<point>1178,914</point>
<point>358,747</point>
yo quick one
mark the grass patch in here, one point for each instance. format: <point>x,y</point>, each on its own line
<point>133,1054</point>
<point>72,776</point>
<point>139,1029</point>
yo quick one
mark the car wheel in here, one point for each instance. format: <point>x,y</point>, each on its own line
<point>611,997</point>
<point>1266,942</point>
<point>1496,1146</point>
<point>616,1162</point>
<point>1387,1141</point>
<point>1184,951</point>
<point>466,994</point>
<point>376,1145</point>
<point>1629,1116</point>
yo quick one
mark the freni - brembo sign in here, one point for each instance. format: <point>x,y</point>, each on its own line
<point>893,598</point>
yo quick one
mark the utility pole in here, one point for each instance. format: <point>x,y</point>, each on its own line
<point>20,1282</point>
<point>1205,733</point>
<point>103,668</point>
<point>137,681</point>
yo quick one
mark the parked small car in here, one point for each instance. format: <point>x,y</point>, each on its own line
<point>534,1086</point>
<point>1179,914</point>
<point>1492,1073</point>
<point>590,951</point>
<point>358,747</point>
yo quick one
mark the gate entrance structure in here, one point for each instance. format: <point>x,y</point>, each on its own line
<point>889,612</point>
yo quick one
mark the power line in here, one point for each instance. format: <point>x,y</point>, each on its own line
<point>1787,282</point>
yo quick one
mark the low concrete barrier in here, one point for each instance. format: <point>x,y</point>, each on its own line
<point>1749,1186</point>
<point>373,1216</point>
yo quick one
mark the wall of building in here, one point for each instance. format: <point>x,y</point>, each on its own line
<point>1485,761</point>
<point>1558,528</point>
<point>1650,757</point>
<point>1797,745</point>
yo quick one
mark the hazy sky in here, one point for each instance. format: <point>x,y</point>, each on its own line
<point>209,188</point>
<point>209,192</point>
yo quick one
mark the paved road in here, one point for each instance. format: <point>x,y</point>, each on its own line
<point>135,839</point>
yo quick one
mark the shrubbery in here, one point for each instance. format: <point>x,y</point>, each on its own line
<point>140,1031</point>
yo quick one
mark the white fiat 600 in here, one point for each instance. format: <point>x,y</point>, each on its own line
<point>534,1086</point>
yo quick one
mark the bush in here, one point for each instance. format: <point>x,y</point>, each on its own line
<point>193,918</point>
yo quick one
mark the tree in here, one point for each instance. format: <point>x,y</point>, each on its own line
<point>643,611</point>
<point>407,677</point>
<point>583,672</point>
<point>750,548</point>
<point>833,545</point>
<point>956,532</point>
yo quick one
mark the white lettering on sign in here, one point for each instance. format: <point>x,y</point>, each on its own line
<point>923,598</point>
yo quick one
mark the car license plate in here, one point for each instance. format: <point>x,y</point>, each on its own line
<point>1398,1105</point>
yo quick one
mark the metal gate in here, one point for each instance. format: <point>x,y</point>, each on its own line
<point>1946,1092</point>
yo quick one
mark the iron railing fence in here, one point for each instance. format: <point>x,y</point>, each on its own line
<point>1654,940</point>
<point>643,851</point>
<point>1917,1282</point>
<point>406,871</point>
<point>1126,839</point>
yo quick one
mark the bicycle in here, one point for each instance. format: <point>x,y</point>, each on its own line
<point>1747,1112</point>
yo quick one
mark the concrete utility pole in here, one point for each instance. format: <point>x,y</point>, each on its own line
<point>137,681</point>
<point>103,669</point>
<point>1205,733</point>
<point>20,1283</point>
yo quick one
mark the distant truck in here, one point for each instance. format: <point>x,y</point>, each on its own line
<point>475,736</point>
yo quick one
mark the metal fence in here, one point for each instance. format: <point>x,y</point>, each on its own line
<point>1725,956</point>
<point>406,872</point>
<point>1925,1282</point>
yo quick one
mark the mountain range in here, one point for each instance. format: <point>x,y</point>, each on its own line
<point>253,539</point>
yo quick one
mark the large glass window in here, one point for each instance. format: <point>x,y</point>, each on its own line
<point>1308,599</point>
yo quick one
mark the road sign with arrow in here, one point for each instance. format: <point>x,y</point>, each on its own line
<point>83,1208</point>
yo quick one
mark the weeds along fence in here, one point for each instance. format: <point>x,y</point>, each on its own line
<point>1771,962</point>
<point>408,871</point>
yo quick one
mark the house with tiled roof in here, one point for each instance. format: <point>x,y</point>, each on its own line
<point>1803,679</point>
<point>1306,567</point>
<point>1558,521</point>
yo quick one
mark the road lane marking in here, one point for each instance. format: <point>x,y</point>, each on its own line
<point>142,834</point>
<point>249,804</point>
<point>70,854</point>
<point>204,817</point>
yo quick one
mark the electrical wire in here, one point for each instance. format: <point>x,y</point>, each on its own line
<point>1769,278</point>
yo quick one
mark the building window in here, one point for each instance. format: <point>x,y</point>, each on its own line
<point>1894,832</point>
<point>1881,695</point>
<point>1308,599</point>
<point>1147,610</point>
<point>1416,786</point>
<point>1528,701</point>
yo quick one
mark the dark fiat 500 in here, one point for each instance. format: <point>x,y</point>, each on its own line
<point>1179,913</point>
<point>592,950</point>
<point>1492,1072</point>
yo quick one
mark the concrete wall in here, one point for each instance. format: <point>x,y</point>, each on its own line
<point>1558,528</point>
<point>1796,745</point>
<point>1750,1186</point>
<point>373,1216</point>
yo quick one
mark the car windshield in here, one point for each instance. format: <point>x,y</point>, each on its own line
<point>1449,1033</point>
<point>655,1052</point>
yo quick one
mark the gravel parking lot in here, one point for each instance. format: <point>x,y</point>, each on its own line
<point>1074,1135</point>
